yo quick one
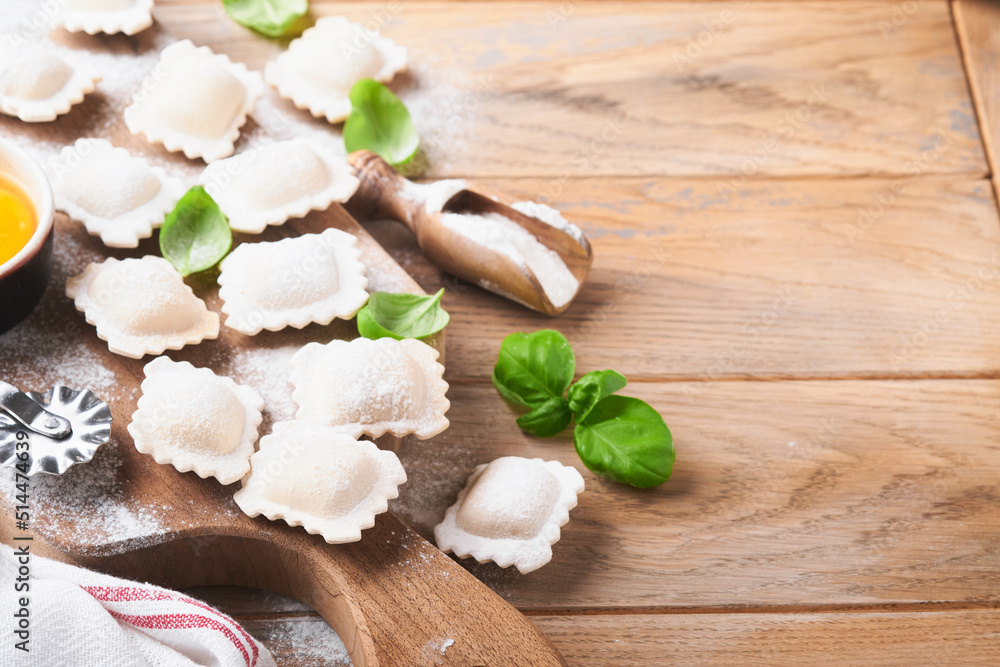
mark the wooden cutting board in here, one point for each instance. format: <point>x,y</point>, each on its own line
<point>390,596</point>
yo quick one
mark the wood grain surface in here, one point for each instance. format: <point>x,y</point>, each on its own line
<point>796,261</point>
<point>742,89</point>
<point>812,278</point>
<point>887,640</point>
<point>978,23</point>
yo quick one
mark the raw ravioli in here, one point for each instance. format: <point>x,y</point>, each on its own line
<point>280,181</point>
<point>141,306</point>
<point>320,478</point>
<point>510,512</point>
<point>194,101</point>
<point>293,282</point>
<point>320,67</point>
<point>193,419</point>
<point>39,82</point>
<point>107,16</point>
<point>117,196</point>
<point>376,386</point>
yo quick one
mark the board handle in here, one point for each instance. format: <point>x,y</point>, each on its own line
<point>396,600</point>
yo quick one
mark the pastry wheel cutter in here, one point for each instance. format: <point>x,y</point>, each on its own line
<point>52,430</point>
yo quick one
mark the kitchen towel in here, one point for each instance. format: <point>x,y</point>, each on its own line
<point>79,618</point>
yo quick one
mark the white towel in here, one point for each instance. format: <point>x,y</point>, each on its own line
<point>79,618</point>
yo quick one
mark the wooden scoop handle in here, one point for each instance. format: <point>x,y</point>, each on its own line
<point>381,193</point>
<point>394,599</point>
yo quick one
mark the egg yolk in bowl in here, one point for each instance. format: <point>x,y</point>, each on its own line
<point>17,219</point>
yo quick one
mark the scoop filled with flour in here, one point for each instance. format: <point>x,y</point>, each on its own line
<point>524,251</point>
<point>500,233</point>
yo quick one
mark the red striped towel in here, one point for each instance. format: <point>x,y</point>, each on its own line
<point>79,618</point>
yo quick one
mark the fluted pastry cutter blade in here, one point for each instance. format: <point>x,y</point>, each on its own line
<point>90,421</point>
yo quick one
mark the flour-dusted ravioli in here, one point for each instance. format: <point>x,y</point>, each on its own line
<point>193,419</point>
<point>39,82</point>
<point>141,306</point>
<point>194,101</point>
<point>320,67</point>
<point>510,512</point>
<point>321,478</point>
<point>277,182</point>
<point>107,16</point>
<point>377,386</point>
<point>293,282</point>
<point>117,196</point>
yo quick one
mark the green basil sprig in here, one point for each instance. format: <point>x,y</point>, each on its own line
<point>196,235</point>
<point>621,438</point>
<point>401,315</point>
<point>274,18</point>
<point>380,122</point>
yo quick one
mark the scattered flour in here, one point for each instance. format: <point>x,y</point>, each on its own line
<point>306,642</point>
<point>267,370</point>
<point>83,505</point>
<point>47,348</point>
<point>505,236</point>
<point>435,648</point>
<point>435,478</point>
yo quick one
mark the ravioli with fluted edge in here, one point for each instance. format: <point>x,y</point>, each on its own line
<point>276,182</point>
<point>377,386</point>
<point>194,101</point>
<point>117,196</point>
<point>293,282</point>
<point>39,82</point>
<point>105,16</point>
<point>321,478</point>
<point>511,512</point>
<point>141,306</point>
<point>195,420</point>
<point>319,68</point>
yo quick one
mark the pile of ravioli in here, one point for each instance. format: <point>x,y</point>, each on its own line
<point>314,471</point>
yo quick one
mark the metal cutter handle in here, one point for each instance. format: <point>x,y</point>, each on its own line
<point>32,415</point>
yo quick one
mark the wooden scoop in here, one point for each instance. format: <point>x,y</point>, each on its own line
<point>383,193</point>
<point>394,599</point>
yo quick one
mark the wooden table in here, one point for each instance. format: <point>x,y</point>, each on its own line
<point>797,262</point>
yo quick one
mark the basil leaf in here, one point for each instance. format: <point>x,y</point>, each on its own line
<point>532,368</point>
<point>550,418</point>
<point>379,122</point>
<point>626,440</point>
<point>195,235</point>
<point>392,315</point>
<point>591,388</point>
<point>274,18</point>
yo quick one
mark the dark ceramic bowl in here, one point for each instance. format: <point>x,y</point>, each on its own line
<point>23,278</point>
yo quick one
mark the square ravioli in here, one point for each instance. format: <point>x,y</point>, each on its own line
<point>375,386</point>
<point>510,512</point>
<point>319,68</point>
<point>141,306</point>
<point>195,420</point>
<point>107,16</point>
<point>276,182</point>
<point>39,82</point>
<point>117,196</point>
<point>292,282</point>
<point>195,101</point>
<point>320,478</point>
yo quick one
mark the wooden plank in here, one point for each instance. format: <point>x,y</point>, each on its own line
<point>952,638</point>
<point>813,278</point>
<point>784,493</point>
<point>718,89</point>
<point>873,639</point>
<point>978,23</point>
